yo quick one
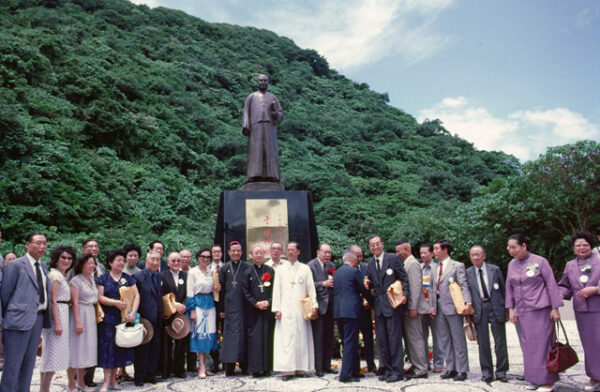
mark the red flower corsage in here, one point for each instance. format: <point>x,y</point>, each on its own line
<point>331,271</point>
<point>266,277</point>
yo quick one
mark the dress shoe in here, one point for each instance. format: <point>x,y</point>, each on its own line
<point>287,378</point>
<point>382,377</point>
<point>229,373</point>
<point>409,369</point>
<point>180,375</point>
<point>151,380</point>
<point>486,380</point>
<point>138,383</point>
<point>351,379</point>
<point>359,376</point>
<point>449,374</point>
<point>502,378</point>
<point>91,384</point>
<point>592,388</point>
<point>460,376</point>
<point>531,387</point>
<point>394,378</point>
<point>437,370</point>
<point>319,373</point>
<point>332,371</point>
<point>413,375</point>
<point>381,371</point>
<point>372,369</point>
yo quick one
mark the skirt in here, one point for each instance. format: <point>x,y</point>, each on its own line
<point>203,336</point>
<point>588,325</point>
<point>537,335</point>
<point>55,349</point>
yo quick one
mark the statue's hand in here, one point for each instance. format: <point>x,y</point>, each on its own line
<point>246,131</point>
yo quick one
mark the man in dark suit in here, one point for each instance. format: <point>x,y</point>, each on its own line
<point>365,318</point>
<point>347,307</point>
<point>150,286</point>
<point>384,269</point>
<point>174,350</point>
<point>486,284</point>
<point>322,270</point>
<point>156,246</point>
<point>25,295</point>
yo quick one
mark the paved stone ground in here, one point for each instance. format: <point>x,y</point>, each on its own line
<point>572,380</point>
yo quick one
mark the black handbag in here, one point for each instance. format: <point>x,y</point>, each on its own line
<point>561,355</point>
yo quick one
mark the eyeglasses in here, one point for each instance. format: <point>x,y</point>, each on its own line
<point>204,257</point>
<point>176,261</point>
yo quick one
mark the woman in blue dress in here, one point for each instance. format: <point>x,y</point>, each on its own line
<point>110,356</point>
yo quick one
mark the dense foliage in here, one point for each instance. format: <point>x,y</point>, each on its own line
<point>123,122</point>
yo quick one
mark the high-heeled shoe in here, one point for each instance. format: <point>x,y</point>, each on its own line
<point>546,389</point>
<point>201,375</point>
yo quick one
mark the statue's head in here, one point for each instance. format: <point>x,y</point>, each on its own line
<point>262,81</point>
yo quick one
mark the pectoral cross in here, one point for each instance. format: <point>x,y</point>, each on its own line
<point>261,287</point>
<point>234,283</point>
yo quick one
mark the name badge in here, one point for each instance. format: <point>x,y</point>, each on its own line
<point>496,286</point>
<point>267,284</point>
<point>389,271</point>
<point>583,279</point>
<point>180,281</point>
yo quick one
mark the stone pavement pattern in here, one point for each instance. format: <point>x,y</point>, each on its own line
<point>572,380</point>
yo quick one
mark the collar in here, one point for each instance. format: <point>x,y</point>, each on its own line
<point>445,261</point>
<point>31,259</point>
<point>483,268</point>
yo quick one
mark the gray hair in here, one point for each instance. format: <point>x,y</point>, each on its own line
<point>349,256</point>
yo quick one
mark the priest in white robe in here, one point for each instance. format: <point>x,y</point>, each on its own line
<point>293,342</point>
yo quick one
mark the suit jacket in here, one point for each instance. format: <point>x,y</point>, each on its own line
<point>453,271</point>
<point>415,283</point>
<point>496,290</point>
<point>570,284</point>
<point>391,270</point>
<point>150,298</point>
<point>19,295</point>
<point>348,286</point>
<point>320,274</point>
<point>169,285</point>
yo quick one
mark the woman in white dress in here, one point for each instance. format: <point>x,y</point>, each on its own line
<point>201,308</point>
<point>55,340</point>
<point>83,331</point>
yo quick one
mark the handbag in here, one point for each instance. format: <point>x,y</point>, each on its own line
<point>128,335</point>
<point>561,355</point>
<point>458,298</point>
<point>395,294</point>
<point>308,308</point>
<point>168,305</point>
<point>99,313</point>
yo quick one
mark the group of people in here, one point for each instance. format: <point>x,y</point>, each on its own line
<point>278,315</point>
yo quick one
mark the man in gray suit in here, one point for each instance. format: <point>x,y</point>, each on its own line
<point>449,324</point>
<point>322,271</point>
<point>413,331</point>
<point>426,253</point>
<point>486,284</point>
<point>25,297</point>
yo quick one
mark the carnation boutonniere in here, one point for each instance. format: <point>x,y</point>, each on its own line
<point>532,269</point>
<point>122,282</point>
<point>330,271</point>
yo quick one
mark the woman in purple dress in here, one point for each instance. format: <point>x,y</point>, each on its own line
<point>580,281</point>
<point>532,290</point>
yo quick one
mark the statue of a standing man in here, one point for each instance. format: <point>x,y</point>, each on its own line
<point>262,114</point>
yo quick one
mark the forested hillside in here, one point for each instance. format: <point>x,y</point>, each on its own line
<point>124,122</point>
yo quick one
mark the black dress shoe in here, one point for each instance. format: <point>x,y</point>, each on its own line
<point>229,374</point>
<point>486,380</point>
<point>287,378</point>
<point>449,374</point>
<point>394,378</point>
<point>382,377</point>
<point>372,369</point>
<point>91,384</point>
<point>332,371</point>
<point>151,380</point>
<point>359,376</point>
<point>460,376</point>
<point>413,375</point>
<point>319,374</point>
<point>381,371</point>
<point>351,379</point>
<point>138,383</point>
<point>502,378</point>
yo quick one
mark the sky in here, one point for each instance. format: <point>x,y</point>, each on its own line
<point>515,76</point>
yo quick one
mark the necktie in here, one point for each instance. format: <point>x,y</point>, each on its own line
<point>218,268</point>
<point>439,276</point>
<point>483,287</point>
<point>38,272</point>
<point>378,266</point>
<point>154,282</point>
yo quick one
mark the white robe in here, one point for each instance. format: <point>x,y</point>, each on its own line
<point>293,343</point>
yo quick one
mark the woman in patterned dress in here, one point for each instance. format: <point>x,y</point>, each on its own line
<point>201,308</point>
<point>83,330</point>
<point>110,356</point>
<point>55,340</point>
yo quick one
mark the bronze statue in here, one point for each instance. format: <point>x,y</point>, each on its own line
<point>262,114</point>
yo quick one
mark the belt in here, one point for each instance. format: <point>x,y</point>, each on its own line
<point>204,294</point>
<point>485,300</point>
<point>64,302</point>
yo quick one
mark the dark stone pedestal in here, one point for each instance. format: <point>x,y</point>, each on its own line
<point>301,225</point>
<point>262,186</point>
